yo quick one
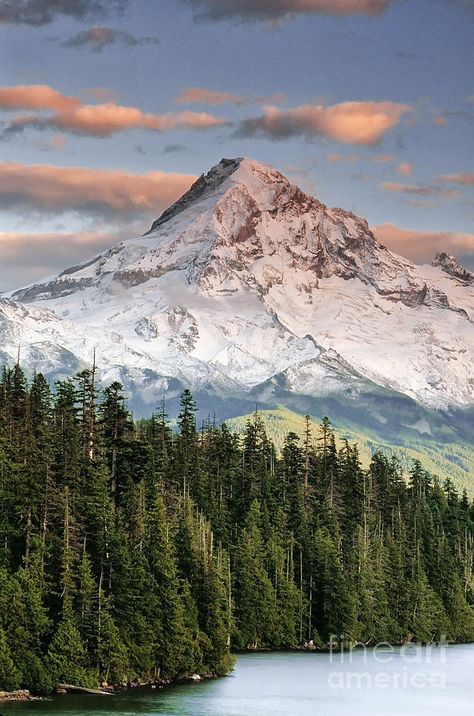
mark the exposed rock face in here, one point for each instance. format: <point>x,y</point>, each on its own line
<point>449,264</point>
<point>199,190</point>
<point>247,277</point>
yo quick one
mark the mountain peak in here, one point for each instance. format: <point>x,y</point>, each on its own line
<point>201,188</point>
<point>243,170</point>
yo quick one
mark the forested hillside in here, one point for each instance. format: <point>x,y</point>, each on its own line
<point>132,552</point>
<point>441,451</point>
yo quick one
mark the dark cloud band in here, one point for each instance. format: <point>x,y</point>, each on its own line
<point>273,10</point>
<point>43,12</point>
<point>97,38</point>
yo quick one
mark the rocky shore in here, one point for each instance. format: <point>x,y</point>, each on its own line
<point>20,695</point>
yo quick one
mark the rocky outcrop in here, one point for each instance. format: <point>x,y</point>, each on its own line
<point>449,264</point>
<point>19,695</point>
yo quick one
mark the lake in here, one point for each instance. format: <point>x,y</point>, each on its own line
<point>385,682</point>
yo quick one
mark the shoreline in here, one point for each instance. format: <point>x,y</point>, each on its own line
<point>21,695</point>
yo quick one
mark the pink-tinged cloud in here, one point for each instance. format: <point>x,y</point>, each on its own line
<point>420,189</point>
<point>272,10</point>
<point>466,178</point>
<point>440,121</point>
<point>104,120</point>
<point>421,246</point>
<point>30,257</point>
<point>404,169</point>
<point>202,95</point>
<point>102,94</point>
<point>35,97</point>
<point>69,114</point>
<point>92,192</point>
<point>362,123</point>
<point>383,158</point>
<point>343,158</point>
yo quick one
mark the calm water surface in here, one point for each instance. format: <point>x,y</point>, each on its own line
<point>418,681</point>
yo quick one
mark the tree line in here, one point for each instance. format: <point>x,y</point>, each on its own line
<point>130,551</point>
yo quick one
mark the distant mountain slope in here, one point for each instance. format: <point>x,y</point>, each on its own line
<point>444,458</point>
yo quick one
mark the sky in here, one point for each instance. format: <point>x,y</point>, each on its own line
<point>109,109</point>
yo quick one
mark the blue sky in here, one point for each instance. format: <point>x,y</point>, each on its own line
<point>105,117</point>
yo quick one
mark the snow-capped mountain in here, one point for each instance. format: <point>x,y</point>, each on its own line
<point>247,280</point>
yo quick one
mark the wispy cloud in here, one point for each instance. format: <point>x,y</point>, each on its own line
<point>343,158</point>
<point>404,169</point>
<point>466,178</point>
<point>203,95</point>
<point>96,120</point>
<point>90,192</point>
<point>362,123</point>
<point>173,148</point>
<point>273,10</point>
<point>419,189</point>
<point>31,256</point>
<point>101,94</point>
<point>440,120</point>
<point>421,246</point>
<point>383,158</point>
<point>43,12</point>
<point>99,37</point>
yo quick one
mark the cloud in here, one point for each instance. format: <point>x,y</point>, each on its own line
<point>383,158</point>
<point>173,148</point>
<point>466,178</point>
<point>30,257</point>
<point>55,143</point>
<point>404,169</point>
<point>442,119</point>
<point>43,12</point>
<point>362,123</point>
<point>92,192</point>
<point>102,94</point>
<point>96,38</point>
<point>420,189</point>
<point>421,246</point>
<point>96,120</point>
<point>342,158</point>
<point>274,10</point>
<point>104,120</point>
<point>35,97</point>
<point>202,95</point>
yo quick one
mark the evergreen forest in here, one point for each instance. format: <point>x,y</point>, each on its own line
<point>133,552</point>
